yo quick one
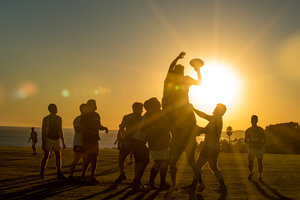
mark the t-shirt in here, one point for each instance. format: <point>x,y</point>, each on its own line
<point>90,124</point>
<point>176,90</point>
<point>52,126</point>
<point>255,136</point>
<point>33,136</point>
<point>131,123</point>
<point>78,132</point>
<point>213,132</point>
<point>157,131</point>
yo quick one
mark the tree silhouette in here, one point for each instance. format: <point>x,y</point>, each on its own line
<point>229,132</point>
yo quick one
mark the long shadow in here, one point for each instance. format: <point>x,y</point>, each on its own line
<point>108,171</point>
<point>128,194</point>
<point>110,188</point>
<point>153,195</point>
<point>141,196</point>
<point>262,191</point>
<point>275,192</point>
<point>41,191</point>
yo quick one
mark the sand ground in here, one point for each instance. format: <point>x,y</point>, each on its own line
<point>19,178</point>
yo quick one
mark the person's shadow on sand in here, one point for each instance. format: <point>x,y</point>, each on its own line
<point>266,194</point>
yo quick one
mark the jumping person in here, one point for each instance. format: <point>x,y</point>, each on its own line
<point>158,137</point>
<point>211,148</point>
<point>181,119</point>
<point>77,141</point>
<point>51,133</point>
<point>128,127</point>
<point>33,138</point>
<point>90,123</point>
<point>255,138</point>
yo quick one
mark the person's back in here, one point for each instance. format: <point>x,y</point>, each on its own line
<point>90,123</point>
<point>77,141</point>
<point>131,124</point>
<point>158,132</point>
<point>52,125</point>
<point>213,132</point>
<point>33,136</point>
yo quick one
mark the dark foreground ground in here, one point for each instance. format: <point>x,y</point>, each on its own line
<point>19,178</point>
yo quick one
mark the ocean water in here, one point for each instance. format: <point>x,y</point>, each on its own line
<point>18,136</point>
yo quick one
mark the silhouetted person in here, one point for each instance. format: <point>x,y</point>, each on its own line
<point>255,138</point>
<point>51,133</point>
<point>33,138</point>
<point>211,148</point>
<point>158,137</point>
<point>78,140</point>
<point>129,126</point>
<point>91,125</point>
<point>141,153</point>
<point>181,119</point>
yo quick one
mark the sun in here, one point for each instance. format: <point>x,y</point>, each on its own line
<point>220,84</point>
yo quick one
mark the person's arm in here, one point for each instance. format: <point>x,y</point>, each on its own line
<point>180,56</point>
<point>247,138</point>
<point>44,132</point>
<point>202,114</point>
<point>62,135</point>
<point>101,128</point>
<point>264,136</point>
<point>30,137</point>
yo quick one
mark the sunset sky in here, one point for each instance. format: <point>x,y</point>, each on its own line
<point>118,52</point>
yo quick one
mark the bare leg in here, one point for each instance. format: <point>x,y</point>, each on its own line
<point>58,162</point>
<point>154,171</point>
<point>93,166</point>
<point>77,156</point>
<point>44,163</point>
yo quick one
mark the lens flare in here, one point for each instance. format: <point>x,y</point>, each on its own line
<point>65,93</point>
<point>26,89</point>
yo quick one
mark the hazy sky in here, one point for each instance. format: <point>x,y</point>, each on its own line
<point>118,52</point>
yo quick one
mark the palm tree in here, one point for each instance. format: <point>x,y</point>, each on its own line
<point>229,132</point>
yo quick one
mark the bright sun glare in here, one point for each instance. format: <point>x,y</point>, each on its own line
<point>219,84</point>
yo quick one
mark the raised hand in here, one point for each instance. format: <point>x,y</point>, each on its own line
<point>181,55</point>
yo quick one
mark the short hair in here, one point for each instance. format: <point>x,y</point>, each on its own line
<point>254,117</point>
<point>151,103</point>
<point>222,108</point>
<point>136,104</point>
<point>51,107</point>
<point>90,101</point>
<point>82,107</point>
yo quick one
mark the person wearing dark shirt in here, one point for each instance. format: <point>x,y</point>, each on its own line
<point>158,138</point>
<point>129,125</point>
<point>90,125</point>
<point>181,119</point>
<point>211,148</point>
<point>33,138</point>
<point>51,133</point>
<point>255,138</point>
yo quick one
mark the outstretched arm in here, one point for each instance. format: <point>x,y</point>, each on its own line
<point>202,114</point>
<point>180,56</point>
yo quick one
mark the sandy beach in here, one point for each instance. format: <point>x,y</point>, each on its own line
<point>20,178</point>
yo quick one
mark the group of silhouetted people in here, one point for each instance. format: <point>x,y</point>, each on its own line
<point>165,130</point>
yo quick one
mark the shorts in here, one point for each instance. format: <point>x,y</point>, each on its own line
<point>52,145</point>
<point>255,152</point>
<point>78,149</point>
<point>160,154</point>
<point>140,151</point>
<point>34,143</point>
